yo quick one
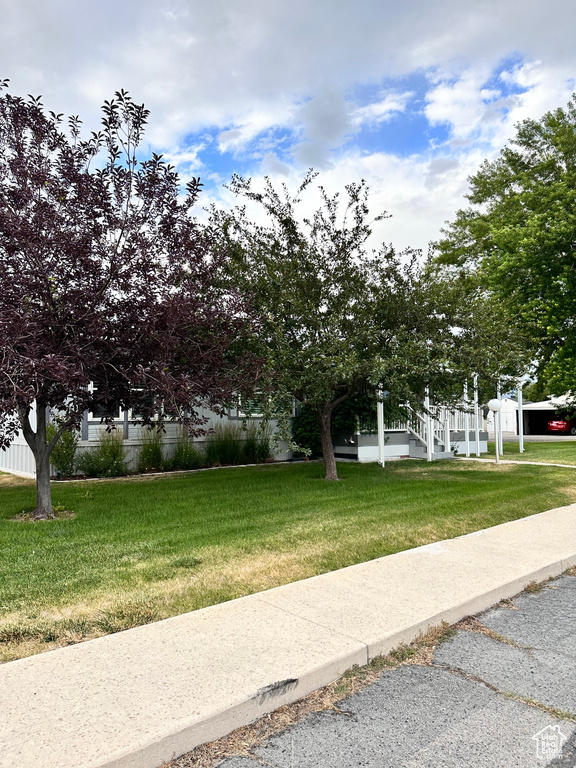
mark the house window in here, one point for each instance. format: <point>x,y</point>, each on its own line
<point>146,401</point>
<point>255,407</point>
<point>103,410</point>
<point>249,407</point>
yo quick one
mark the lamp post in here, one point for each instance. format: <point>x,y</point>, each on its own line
<point>476,417</point>
<point>380,420</point>
<point>495,406</point>
<point>520,420</point>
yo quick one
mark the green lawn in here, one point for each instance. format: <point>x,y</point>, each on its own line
<point>142,549</point>
<point>556,452</point>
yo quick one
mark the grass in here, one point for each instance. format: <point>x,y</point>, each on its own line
<point>560,452</point>
<point>138,550</point>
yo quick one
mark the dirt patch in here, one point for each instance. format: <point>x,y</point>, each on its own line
<point>28,517</point>
<point>570,491</point>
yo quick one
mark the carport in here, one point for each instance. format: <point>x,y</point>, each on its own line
<point>537,416</point>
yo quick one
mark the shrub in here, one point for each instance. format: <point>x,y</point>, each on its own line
<point>186,454</point>
<point>237,444</point>
<point>358,412</point>
<point>224,445</point>
<point>256,443</point>
<point>306,431</point>
<point>151,454</point>
<point>63,456</point>
<point>106,459</point>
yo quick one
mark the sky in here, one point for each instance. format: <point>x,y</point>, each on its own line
<point>410,96</point>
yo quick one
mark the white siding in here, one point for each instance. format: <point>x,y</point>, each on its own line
<point>18,459</point>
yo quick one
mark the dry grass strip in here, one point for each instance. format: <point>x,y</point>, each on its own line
<point>472,624</point>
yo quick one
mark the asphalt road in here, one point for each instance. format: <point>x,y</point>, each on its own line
<point>492,698</point>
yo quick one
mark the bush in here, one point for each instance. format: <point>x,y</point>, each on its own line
<point>224,445</point>
<point>151,454</point>
<point>235,444</point>
<point>306,431</point>
<point>186,454</point>
<point>255,444</point>
<point>63,456</point>
<point>358,412</point>
<point>106,459</point>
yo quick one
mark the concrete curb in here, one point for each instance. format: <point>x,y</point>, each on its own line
<point>141,697</point>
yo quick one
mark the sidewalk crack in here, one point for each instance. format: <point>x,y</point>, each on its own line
<point>317,624</point>
<point>559,714</point>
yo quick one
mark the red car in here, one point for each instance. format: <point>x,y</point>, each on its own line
<point>562,425</point>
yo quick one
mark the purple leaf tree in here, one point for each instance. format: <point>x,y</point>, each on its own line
<point>105,277</point>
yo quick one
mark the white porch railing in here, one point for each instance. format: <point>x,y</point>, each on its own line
<point>455,418</point>
<point>433,430</point>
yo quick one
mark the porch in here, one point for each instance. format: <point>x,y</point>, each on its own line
<point>442,434</point>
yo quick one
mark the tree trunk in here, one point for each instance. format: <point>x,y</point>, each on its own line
<point>325,419</point>
<point>43,509</point>
<point>37,443</point>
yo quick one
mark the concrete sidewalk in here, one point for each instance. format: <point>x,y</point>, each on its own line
<point>141,697</point>
<point>520,462</point>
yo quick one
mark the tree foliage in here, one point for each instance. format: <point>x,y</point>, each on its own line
<point>337,318</point>
<point>518,238</point>
<point>105,277</point>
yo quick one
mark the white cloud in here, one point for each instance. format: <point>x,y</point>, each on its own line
<point>324,124</point>
<point>197,63</point>
<point>187,162</point>
<point>252,124</point>
<point>261,76</point>
<point>401,186</point>
<point>419,194</point>
<point>272,166</point>
<point>383,110</point>
<point>462,104</point>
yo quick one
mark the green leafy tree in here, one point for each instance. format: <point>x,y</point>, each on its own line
<point>337,319</point>
<point>517,239</point>
<point>534,392</point>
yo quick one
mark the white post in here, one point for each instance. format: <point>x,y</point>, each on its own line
<point>499,437</point>
<point>380,415</point>
<point>429,430</point>
<point>476,416</point>
<point>466,420</point>
<point>520,420</point>
<point>446,429</point>
<point>495,405</point>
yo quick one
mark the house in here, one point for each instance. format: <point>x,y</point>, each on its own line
<point>18,458</point>
<point>440,435</point>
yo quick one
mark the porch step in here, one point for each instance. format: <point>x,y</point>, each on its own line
<point>418,451</point>
<point>435,456</point>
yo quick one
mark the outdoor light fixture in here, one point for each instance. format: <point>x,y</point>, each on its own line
<point>495,406</point>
